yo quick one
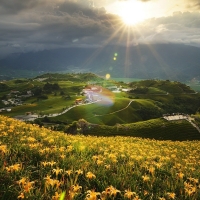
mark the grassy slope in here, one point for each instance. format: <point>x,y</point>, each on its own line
<point>167,86</point>
<point>151,169</point>
<point>159,129</point>
<point>89,112</point>
<point>54,104</point>
<point>155,99</point>
<point>153,90</point>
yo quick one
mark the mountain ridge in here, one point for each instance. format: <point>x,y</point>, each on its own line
<point>161,61</point>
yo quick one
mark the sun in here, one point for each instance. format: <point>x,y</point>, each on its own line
<point>131,12</point>
<point>130,18</point>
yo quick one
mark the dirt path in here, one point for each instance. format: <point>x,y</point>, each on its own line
<point>66,110</point>
<point>115,111</point>
<point>193,124</point>
<point>180,117</point>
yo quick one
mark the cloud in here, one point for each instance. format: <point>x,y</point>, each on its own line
<point>33,25</point>
<point>138,0</point>
<point>179,28</point>
<point>193,4</point>
<point>54,25</point>
<point>13,7</point>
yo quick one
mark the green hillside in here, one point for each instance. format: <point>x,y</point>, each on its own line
<point>165,86</point>
<point>133,102</point>
<point>115,112</point>
<point>71,77</point>
<point>40,164</point>
<point>159,129</point>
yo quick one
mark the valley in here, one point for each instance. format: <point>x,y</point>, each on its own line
<point>60,101</point>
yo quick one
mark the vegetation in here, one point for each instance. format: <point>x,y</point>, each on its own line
<point>37,163</point>
<point>53,93</point>
<point>167,86</point>
<point>159,129</point>
<point>76,77</point>
<point>3,87</point>
<point>197,119</point>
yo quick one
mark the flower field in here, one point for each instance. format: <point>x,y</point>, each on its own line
<point>37,163</point>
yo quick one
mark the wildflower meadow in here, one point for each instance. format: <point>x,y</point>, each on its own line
<point>38,163</point>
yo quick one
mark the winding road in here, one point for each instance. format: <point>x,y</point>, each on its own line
<point>115,111</point>
<point>57,114</point>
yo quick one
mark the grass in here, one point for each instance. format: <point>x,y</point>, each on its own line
<point>107,112</point>
<point>153,90</point>
<point>159,129</point>
<point>37,163</point>
<point>145,106</point>
<point>25,85</point>
<point>165,86</point>
<point>54,104</point>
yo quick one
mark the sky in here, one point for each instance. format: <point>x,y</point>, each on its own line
<point>34,25</point>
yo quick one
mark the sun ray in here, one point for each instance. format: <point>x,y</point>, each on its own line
<point>100,49</point>
<point>165,67</point>
<point>158,58</point>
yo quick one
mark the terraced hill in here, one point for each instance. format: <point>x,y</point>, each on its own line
<point>37,163</point>
<point>159,129</point>
<point>133,102</point>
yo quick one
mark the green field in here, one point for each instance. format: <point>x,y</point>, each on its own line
<point>54,104</point>
<point>159,129</point>
<point>109,112</point>
<point>151,98</point>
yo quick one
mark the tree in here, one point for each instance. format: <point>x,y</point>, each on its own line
<point>37,91</point>
<point>62,93</point>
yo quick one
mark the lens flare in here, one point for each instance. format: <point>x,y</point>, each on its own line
<point>107,76</point>
<point>99,95</point>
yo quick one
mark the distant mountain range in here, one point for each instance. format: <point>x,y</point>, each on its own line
<point>160,61</point>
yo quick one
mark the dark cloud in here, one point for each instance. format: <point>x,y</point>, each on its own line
<point>32,25</point>
<point>16,6</point>
<point>87,10</point>
<point>64,23</point>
